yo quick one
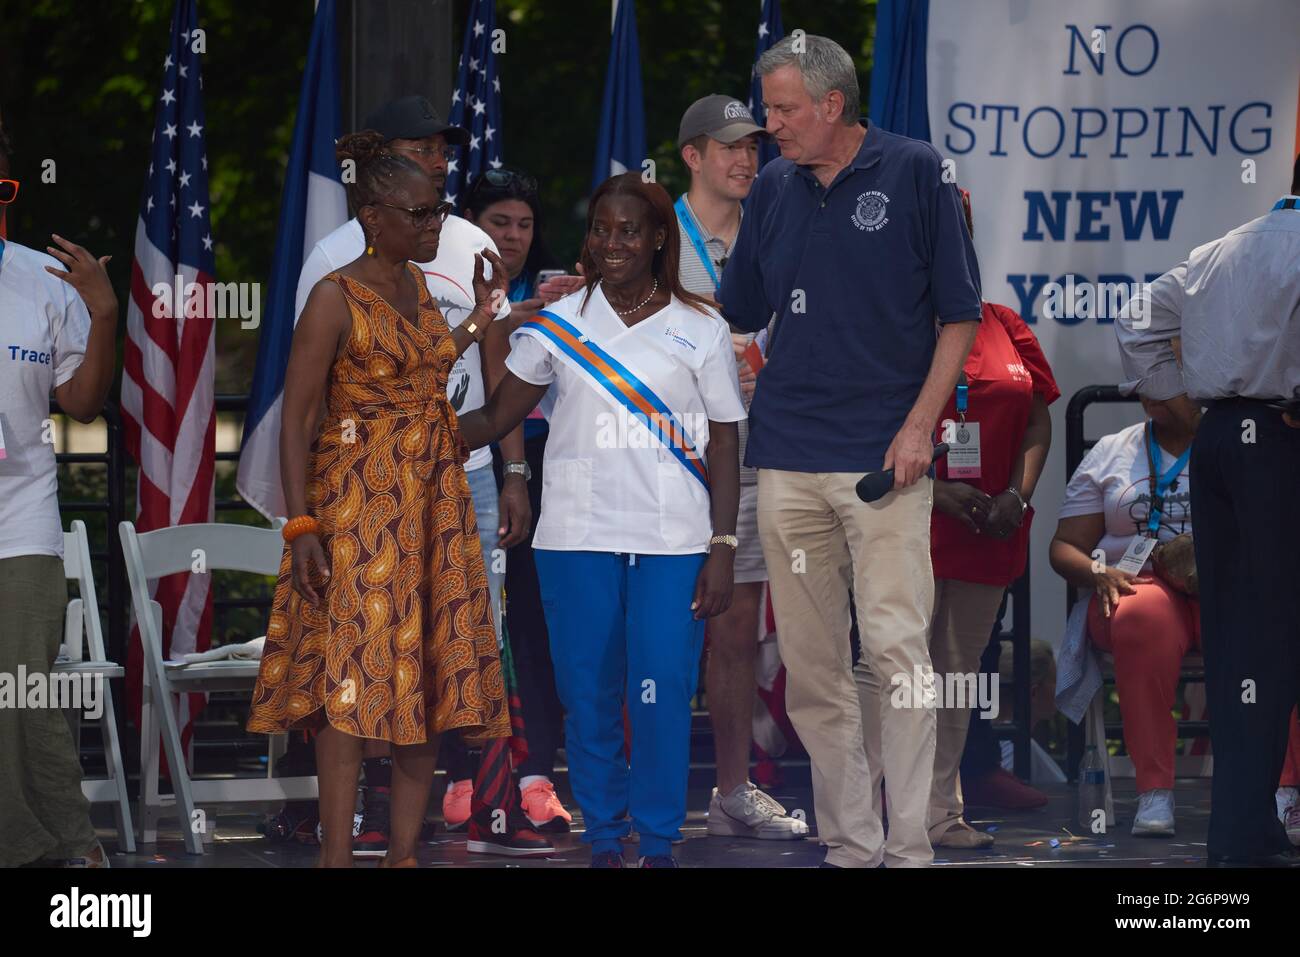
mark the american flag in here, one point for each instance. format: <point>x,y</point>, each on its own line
<point>770,32</point>
<point>167,380</point>
<point>476,101</point>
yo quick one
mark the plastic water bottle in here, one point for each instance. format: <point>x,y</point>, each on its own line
<point>1092,786</point>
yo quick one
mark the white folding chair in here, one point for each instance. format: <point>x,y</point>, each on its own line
<point>1094,724</point>
<point>167,551</point>
<point>82,625</point>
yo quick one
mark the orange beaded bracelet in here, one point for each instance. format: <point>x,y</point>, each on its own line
<point>302,525</point>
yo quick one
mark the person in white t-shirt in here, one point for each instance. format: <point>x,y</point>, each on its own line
<point>1146,624</point>
<point>58,325</point>
<point>410,126</point>
<point>636,542</point>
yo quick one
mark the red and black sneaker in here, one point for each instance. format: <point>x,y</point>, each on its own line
<point>516,839</point>
<point>372,839</point>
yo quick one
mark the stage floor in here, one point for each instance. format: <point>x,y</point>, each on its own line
<point>1045,838</point>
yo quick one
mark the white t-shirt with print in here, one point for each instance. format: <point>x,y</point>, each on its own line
<point>1114,478</point>
<point>44,326</point>
<point>609,485</point>
<point>450,278</point>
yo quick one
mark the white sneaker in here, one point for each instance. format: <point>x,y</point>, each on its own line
<point>1288,812</point>
<point>749,812</point>
<point>1286,799</point>
<point>1155,816</point>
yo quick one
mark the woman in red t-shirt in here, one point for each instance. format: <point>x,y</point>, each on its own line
<point>979,531</point>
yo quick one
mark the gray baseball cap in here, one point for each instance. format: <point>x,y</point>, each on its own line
<point>724,118</point>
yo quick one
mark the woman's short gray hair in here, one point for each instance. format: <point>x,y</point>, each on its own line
<point>824,66</point>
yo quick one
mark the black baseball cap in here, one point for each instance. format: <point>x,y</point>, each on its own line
<point>413,118</point>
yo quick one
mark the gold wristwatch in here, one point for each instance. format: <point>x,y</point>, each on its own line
<point>731,540</point>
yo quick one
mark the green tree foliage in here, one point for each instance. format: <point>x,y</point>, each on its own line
<point>78,85</point>
<point>553,77</point>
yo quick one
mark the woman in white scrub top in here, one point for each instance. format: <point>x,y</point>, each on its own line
<point>636,541</point>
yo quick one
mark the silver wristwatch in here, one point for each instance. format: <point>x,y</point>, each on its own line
<point>1024,506</point>
<point>518,468</point>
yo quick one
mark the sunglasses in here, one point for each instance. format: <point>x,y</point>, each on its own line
<point>422,216</point>
<point>507,179</point>
<point>8,191</point>
<point>446,152</point>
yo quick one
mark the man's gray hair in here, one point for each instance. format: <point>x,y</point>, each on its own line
<point>824,66</point>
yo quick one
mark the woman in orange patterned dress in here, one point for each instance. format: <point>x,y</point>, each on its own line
<point>381,625</point>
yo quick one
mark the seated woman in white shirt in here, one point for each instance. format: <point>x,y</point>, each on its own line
<point>636,541</point>
<point>1146,624</point>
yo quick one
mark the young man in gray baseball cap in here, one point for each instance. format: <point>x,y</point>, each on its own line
<point>719,142</point>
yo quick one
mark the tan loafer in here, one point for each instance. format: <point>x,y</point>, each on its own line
<point>963,835</point>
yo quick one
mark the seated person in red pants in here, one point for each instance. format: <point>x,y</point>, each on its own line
<point>1132,486</point>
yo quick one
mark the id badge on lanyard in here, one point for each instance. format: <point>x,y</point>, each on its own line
<point>1140,548</point>
<point>963,438</point>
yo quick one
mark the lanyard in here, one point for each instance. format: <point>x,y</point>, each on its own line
<point>521,287</point>
<point>1287,202</point>
<point>1161,485</point>
<point>693,234</point>
<point>963,396</point>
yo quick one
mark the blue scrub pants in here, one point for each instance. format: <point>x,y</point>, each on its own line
<point>621,629</point>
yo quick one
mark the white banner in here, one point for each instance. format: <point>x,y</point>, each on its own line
<point>1103,141</point>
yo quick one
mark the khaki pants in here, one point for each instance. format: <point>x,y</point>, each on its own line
<point>963,620</point>
<point>819,542</point>
<point>42,809</point>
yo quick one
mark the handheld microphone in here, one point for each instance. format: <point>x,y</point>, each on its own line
<point>875,485</point>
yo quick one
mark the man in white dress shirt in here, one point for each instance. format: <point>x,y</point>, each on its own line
<point>1235,305</point>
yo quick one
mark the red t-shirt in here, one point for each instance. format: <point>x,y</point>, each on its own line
<point>1006,368</point>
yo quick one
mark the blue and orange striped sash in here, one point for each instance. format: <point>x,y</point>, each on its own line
<point>629,391</point>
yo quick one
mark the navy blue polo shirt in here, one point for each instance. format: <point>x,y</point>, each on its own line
<point>858,274</point>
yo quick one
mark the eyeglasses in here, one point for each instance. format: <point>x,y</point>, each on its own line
<point>508,178</point>
<point>8,191</point>
<point>422,216</point>
<point>445,152</point>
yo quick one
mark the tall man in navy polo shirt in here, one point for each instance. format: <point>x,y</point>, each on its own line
<point>857,245</point>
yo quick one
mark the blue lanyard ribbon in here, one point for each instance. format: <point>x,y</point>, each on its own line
<point>1160,485</point>
<point>693,234</point>
<point>963,394</point>
<point>1287,202</point>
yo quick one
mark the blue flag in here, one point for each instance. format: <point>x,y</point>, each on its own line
<point>312,206</point>
<point>898,84</point>
<point>476,101</point>
<point>770,31</point>
<point>621,144</point>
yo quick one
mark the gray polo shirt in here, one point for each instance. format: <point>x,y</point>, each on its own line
<point>695,278</point>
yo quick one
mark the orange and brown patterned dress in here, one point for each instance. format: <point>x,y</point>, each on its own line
<point>404,645</point>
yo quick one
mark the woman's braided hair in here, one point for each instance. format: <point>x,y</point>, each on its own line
<point>379,171</point>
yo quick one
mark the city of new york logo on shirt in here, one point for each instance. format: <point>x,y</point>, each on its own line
<point>870,214</point>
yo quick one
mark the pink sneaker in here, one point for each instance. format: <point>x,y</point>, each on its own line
<point>544,809</point>
<point>455,804</point>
